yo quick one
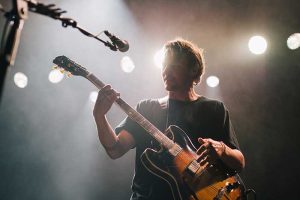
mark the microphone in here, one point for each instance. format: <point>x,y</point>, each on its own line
<point>122,45</point>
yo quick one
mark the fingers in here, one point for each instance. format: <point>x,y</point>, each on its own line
<point>205,144</point>
<point>201,140</point>
<point>204,151</point>
<point>207,153</point>
<point>202,148</point>
<point>202,155</point>
<point>105,99</point>
<point>107,93</point>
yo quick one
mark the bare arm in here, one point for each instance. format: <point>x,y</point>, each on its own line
<point>233,158</point>
<point>115,145</point>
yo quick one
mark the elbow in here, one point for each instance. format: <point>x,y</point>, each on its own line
<point>113,156</point>
<point>241,164</point>
<point>236,161</point>
<point>114,153</point>
<point>240,168</point>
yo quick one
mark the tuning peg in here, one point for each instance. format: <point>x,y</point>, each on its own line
<point>62,70</point>
<point>69,74</point>
<point>54,67</point>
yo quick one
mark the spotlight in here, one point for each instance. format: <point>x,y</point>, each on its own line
<point>159,58</point>
<point>127,64</point>
<point>293,42</point>
<point>257,45</point>
<point>20,80</point>
<point>55,76</point>
<point>212,81</point>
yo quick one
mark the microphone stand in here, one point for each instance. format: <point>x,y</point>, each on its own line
<point>71,22</point>
<point>14,25</point>
<point>15,22</point>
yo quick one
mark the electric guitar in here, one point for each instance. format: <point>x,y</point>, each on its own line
<point>176,163</point>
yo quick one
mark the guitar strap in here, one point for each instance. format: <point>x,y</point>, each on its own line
<point>159,117</point>
<point>163,112</point>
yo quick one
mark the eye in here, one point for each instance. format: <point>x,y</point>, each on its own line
<point>176,66</point>
<point>166,66</point>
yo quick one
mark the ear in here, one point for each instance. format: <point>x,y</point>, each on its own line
<point>194,74</point>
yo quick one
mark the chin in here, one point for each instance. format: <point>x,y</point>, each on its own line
<point>170,88</point>
<point>167,87</point>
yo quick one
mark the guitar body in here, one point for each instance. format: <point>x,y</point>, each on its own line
<point>207,183</point>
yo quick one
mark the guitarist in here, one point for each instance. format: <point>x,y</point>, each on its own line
<point>204,120</point>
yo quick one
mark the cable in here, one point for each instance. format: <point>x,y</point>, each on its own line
<point>251,191</point>
<point>5,29</point>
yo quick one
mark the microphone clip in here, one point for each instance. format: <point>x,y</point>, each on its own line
<point>121,45</point>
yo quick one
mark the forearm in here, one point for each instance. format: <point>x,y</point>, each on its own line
<point>233,158</point>
<point>108,138</point>
<point>106,134</point>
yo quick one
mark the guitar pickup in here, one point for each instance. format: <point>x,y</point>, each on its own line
<point>227,189</point>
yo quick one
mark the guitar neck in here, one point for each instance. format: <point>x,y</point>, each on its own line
<point>136,116</point>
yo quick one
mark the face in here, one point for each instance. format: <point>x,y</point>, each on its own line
<point>175,74</point>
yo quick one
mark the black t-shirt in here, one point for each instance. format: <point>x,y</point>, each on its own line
<point>203,117</point>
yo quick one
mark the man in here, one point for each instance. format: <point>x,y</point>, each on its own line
<point>205,121</point>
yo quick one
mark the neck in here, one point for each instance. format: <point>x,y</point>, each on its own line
<point>189,95</point>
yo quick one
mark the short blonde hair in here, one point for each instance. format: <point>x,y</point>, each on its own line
<point>193,54</point>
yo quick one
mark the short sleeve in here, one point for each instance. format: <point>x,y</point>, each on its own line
<point>228,135</point>
<point>145,108</point>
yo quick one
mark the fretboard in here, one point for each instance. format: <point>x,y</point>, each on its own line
<point>136,116</point>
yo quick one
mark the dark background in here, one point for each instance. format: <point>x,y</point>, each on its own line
<point>48,140</point>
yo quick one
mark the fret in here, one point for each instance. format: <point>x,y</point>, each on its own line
<point>136,116</point>
<point>99,84</point>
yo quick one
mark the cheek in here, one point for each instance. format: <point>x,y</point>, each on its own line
<point>162,71</point>
<point>162,74</point>
<point>165,72</point>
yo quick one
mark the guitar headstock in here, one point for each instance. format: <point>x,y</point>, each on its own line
<point>70,66</point>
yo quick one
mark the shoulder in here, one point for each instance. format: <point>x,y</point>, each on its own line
<point>147,105</point>
<point>147,102</point>
<point>211,103</point>
<point>212,107</point>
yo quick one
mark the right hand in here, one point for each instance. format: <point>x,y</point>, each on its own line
<point>105,99</point>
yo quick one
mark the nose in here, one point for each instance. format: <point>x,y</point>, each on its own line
<point>166,68</point>
<point>166,72</point>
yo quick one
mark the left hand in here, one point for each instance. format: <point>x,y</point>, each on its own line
<point>209,151</point>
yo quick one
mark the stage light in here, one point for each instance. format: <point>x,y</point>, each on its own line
<point>93,96</point>
<point>212,81</point>
<point>159,57</point>
<point>293,42</point>
<point>257,45</point>
<point>20,80</point>
<point>127,64</point>
<point>55,76</point>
